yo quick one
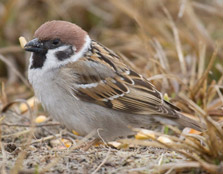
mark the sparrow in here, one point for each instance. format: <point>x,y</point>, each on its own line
<point>87,87</point>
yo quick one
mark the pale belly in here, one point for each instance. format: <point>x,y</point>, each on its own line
<point>83,117</point>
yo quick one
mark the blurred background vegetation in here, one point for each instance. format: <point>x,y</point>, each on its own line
<point>167,40</point>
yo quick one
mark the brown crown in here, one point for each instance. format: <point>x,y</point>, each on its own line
<point>67,32</point>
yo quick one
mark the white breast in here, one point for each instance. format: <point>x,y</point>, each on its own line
<point>54,98</point>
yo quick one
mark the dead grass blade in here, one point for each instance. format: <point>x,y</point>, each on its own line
<point>200,82</point>
<point>4,159</point>
<point>177,42</point>
<point>196,23</point>
<point>207,8</point>
<point>103,162</point>
<point>22,154</point>
<point>176,166</point>
<point>12,68</point>
<point>201,62</point>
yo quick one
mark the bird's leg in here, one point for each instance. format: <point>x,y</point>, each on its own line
<point>95,141</point>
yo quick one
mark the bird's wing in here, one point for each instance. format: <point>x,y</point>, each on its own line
<point>102,78</point>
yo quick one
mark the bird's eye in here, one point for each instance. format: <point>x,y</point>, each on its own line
<point>56,42</point>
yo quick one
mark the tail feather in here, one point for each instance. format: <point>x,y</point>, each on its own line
<point>188,121</point>
<point>184,120</point>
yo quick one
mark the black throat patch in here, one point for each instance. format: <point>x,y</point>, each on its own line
<point>65,54</point>
<point>38,60</point>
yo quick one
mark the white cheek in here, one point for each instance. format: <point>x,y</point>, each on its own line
<point>51,60</point>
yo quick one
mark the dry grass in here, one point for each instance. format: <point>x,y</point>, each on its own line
<point>176,44</point>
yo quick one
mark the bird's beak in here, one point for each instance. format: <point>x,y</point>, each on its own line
<point>35,46</point>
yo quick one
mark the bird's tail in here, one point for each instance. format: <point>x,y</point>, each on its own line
<point>185,120</point>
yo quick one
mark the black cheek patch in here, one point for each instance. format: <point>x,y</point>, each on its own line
<point>38,60</point>
<point>65,54</point>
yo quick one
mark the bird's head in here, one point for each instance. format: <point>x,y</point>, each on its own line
<point>57,43</point>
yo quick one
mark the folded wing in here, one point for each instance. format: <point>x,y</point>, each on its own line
<point>102,78</point>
